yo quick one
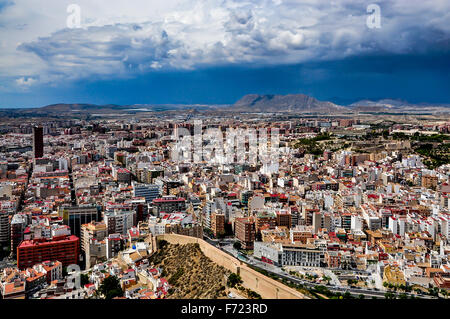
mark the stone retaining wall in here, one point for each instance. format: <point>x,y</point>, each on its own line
<point>267,287</point>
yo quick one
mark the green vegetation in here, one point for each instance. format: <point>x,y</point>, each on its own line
<point>374,134</point>
<point>326,279</point>
<point>310,145</point>
<point>233,280</point>
<point>434,291</point>
<point>110,288</point>
<point>322,137</point>
<point>162,243</point>
<point>250,293</point>
<point>237,245</point>
<point>253,294</point>
<point>264,272</point>
<point>322,290</point>
<point>84,278</point>
<point>436,155</point>
<point>397,287</point>
<point>390,295</point>
<point>434,138</point>
<point>173,280</point>
<point>351,282</point>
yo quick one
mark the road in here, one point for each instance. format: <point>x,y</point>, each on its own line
<point>334,286</point>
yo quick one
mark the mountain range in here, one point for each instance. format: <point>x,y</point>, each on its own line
<point>289,103</point>
<point>292,103</point>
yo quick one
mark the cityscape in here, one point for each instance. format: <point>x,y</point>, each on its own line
<point>212,159</point>
<point>355,206</point>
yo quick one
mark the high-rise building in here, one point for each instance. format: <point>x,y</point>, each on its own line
<point>4,228</point>
<point>93,243</point>
<point>218,224</point>
<point>75,216</point>
<point>148,191</point>
<point>38,142</point>
<point>265,217</point>
<point>120,221</point>
<point>284,218</point>
<point>18,224</point>
<point>64,249</point>
<point>245,232</point>
<point>168,204</point>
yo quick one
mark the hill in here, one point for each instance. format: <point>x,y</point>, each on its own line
<point>190,273</point>
<point>395,105</point>
<point>288,103</point>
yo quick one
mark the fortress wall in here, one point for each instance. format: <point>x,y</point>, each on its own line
<point>267,287</point>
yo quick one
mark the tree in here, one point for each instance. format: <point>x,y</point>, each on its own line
<point>233,280</point>
<point>352,282</point>
<point>347,295</point>
<point>237,245</point>
<point>326,279</point>
<point>253,294</point>
<point>110,287</point>
<point>433,291</point>
<point>84,279</point>
<point>390,295</point>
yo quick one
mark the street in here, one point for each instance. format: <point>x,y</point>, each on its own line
<point>334,285</point>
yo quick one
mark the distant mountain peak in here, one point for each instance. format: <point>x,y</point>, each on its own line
<point>289,102</point>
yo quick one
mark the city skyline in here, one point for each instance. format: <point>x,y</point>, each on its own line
<point>214,52</point>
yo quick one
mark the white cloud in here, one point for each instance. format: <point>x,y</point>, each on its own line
<point>25,81</point>
<point>119,39</point>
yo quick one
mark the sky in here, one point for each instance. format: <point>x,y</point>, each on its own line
<point>216,51</point>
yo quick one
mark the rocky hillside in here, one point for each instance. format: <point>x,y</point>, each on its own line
<point>290,102</point>
<point>191,274</point>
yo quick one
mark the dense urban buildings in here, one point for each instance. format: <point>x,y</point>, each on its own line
<point>357,203</point>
